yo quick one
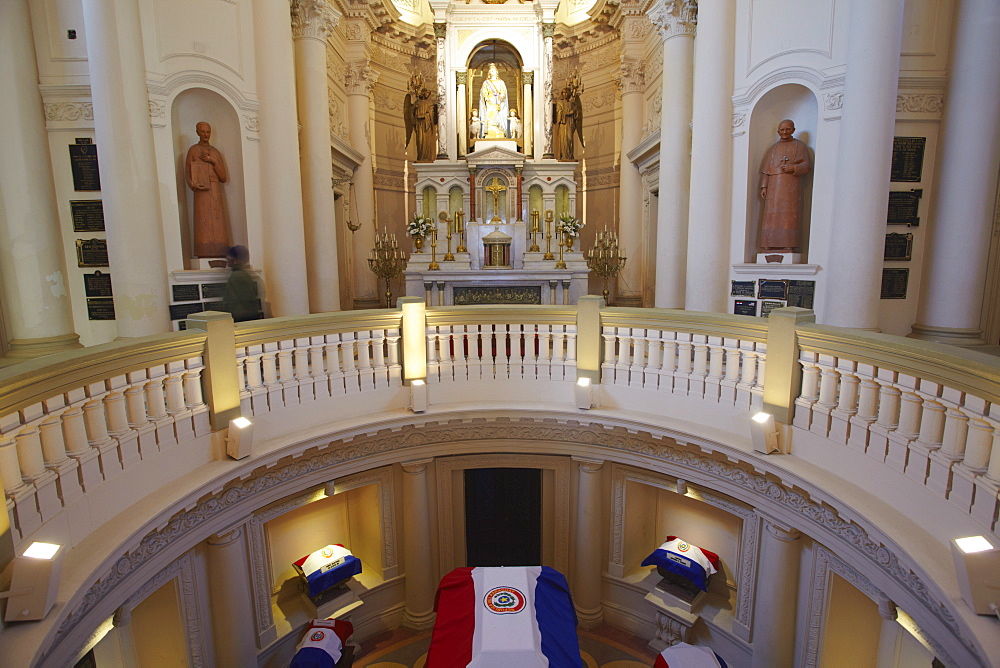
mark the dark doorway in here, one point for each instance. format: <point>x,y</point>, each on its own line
<point>503,519</point>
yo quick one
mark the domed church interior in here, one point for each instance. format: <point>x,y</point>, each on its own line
<point>500,333</point>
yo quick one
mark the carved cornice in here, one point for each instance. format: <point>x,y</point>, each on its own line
<point>315,19</point>
<point>631,76</point>
<point>461,78</point>
<point>360,78</point>
<point>674,18</point>
<point>440,29</point>
<point>69,111</point>
<point>528,77</point>
<point>548,30</point>
<point>920,103</point>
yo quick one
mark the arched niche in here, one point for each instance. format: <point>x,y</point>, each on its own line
<point>189,108</point>
<point>510,68</point>
<point>798,103</point>
<point>428,202</point>
<point>456,199</point>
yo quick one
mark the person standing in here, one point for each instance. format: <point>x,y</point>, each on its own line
<point>781,170</point>
<point>205,172</point>
<point>239,297</point>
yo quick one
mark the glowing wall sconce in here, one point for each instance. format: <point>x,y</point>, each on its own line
<point>239,441</point>
<point>977,566</point>
<point>584,394</point>
<point>34,583</point>
<point>764,433</point>
<point>418,396</point>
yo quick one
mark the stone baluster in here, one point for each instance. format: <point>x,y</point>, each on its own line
<point>910,410</point>
<point>847,402</point>
<point>868,408</point>
<point>116,410</point>
<point>395,371</point>
<point>640,344</point>
<point>624,337</point>
<point>174,384</point>
<point>193,397</point>
<point>700,370</point>
<point>608,366</point>
<point>348,362</point>
<point>30,458</point>
<point>887,420</point>
<point>952,451</point>
<point>683,372</point>
<point>932,419</point>
<point>716,362</point>
<point>968,472</point>
<point>54,453</point>
<point>444,353</point>
<point>25,510</point>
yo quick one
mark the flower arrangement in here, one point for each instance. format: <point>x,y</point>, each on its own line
<point>419,226</point>
<point>570,224</point>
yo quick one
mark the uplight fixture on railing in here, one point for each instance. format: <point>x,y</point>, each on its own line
<point>764,433</point>
<point>239,440</point>
<point>977,567</point>
<point>34,583</point>
<point>418,396</point>
<point>584,394</point>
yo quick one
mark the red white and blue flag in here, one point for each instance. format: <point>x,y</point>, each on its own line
<point>328,566</point>
<point>683,655</point>
<point>684,559</point>
<point>323,644</point>
<point>502,617</point>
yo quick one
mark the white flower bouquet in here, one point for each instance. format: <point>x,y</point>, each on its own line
<point>419,226</point>
<point>570,224</point>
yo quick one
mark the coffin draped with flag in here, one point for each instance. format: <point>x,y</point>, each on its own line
<point>683,655</point>
<point>501,617</point>
<point>323,644</point>
<point>327,567</point>
<point>684,559</point>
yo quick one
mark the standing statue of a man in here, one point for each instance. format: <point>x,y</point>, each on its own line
<point>205,172</point>
<point>784,163</point>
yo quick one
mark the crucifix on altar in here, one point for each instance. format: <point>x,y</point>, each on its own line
<point>496,188</point>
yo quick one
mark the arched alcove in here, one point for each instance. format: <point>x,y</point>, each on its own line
<point>509,65</point>
<point>189,108</point>
<point>456,198</point>
<point>428,202</point>
<point>798,103</point>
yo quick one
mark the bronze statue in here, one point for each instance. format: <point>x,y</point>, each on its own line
<point>420,116</point>
<point>784,163</point>
<point>205,172</point>
<point>567,120</point>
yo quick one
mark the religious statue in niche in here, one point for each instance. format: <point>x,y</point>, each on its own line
<point>514,126</point>
<point>420,116</point>
<point>493,108</point>
<point>205,172</point>
<point>567,119</point>
<point>475,128</point>
<point>781,171</point>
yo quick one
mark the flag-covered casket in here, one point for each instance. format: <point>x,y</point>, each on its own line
<point>327,567</point>
<point>323,644</point>
<point>501,617</point>
<point>683,655</point>
<point>682,558</point>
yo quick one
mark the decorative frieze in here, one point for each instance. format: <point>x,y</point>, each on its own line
<point>834,100</point>
<point>631,76</point>
<point>920,103</point>
<point>360,78</point>
<point>69,111</point>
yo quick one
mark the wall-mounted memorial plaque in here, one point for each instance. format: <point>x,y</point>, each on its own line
<point>91,253</point>
<point>83,162</point>
<point>898,246</point>
<point>745,307</point>
<point>771,289</point>
<point>186,292</point>
<point>894,283</point>
<point>743,289</point>
<point>907,158</point>
<point>903,206</point>
<point>97,284</point>
<point>214,290</point>
<point>801,293</point>
<point>88,215</point>
<point>181,311</point>
<point>766,307</point>
<point>101,308</point>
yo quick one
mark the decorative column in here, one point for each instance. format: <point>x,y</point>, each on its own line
<point>284,252</point>
<point>420,581</point>
<point>36,303</point>
<point>951,292</point>
<point>777,593</point>
<point>707,281</point>
<point>229,586</point>
<point>440,29</point>
<point>548,32</point>
<point>462,114</point>
<point>675,20</point>
<point>587,559</point>
<point>631,82</point>
<point>520,194</point>
<point>359,85</point>
<point>472,193</point>
<point>129,182</point>
<point>528,117</point>
<point>313,22</point>
<point>862,178</point>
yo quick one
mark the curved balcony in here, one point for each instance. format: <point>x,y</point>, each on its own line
<point>887,449</point>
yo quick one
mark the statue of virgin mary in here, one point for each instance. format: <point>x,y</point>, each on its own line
<point>493,105</point>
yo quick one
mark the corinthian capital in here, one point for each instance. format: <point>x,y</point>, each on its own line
<point>631,76</point>
<point>674,18</point>
<point>360,78</point>
<point>313,18</point>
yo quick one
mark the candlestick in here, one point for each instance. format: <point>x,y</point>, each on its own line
<point>605,258</point>
<point>434,266</point>
<point>386,261</point>
<point>561,264</point>
<point>460,228</point>
<point>548,241</point>
<point>534,232</point>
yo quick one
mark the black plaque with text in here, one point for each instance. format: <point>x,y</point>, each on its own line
<point>91,253</point>
<point>83,162</point>
<point>801,293</point>
<point>743,289</point>
<point>88,215</point>
<point>213,290</point>
<point>771,289</point>
<point>903,207</point>
<point>101,308</point>
<point>181,311</point>
<point>766,307</point>
<point>907,158</point>
<point>898,247</point>
<point>745,307</point>
<point>97,284</point>
<point>894,283</point>
<point>185,293</point>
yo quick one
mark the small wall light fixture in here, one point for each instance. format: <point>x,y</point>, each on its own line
<point>584,394</point>
<point>977,566</point>
<point>34,583</point>
<point>764,433</point>
<point>239,441</point>
<point>418,395</point>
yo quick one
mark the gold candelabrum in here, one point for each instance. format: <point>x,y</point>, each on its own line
<point>460,231</point>
<point>387,261</point>
<point>443,217</point>
<point>605,257</point>
<point>548,236</point>
<point>434,266</point>
<point>535,229</point>
<point>561,264</point>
